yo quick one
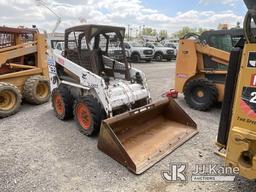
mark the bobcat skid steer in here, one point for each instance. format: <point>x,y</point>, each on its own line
<point>110,97</point>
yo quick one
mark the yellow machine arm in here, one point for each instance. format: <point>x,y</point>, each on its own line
<point>17,51</point>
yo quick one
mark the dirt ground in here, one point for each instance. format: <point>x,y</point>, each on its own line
<point>40,153</point>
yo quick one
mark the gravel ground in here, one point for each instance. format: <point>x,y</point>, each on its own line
<point>40,153</point>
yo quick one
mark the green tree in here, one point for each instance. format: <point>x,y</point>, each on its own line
<point>149,31</point>
<point>163,33</point>
<point>200,30</point>
<point>186,30</point>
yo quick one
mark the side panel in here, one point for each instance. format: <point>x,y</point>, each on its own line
<point>186,63</point>
<point>241,148</point>
<point>41,55</point>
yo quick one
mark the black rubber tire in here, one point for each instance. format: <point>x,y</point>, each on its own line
<point>30,93</point>
<point>148,60</point>
<point>12,88</point>
<point>169,59</point>
<point>209,98</point>
<point>159,57</point>
<point>96,114</point>
<point>135,57</point>
<point>66,100</point>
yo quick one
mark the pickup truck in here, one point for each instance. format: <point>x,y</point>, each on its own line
<point>137,52</point>
<point>161,52</point>
<point>174,46</point>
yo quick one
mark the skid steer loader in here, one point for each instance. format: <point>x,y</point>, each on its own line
<point>111,97</point>
<point>200,72</point>
<point>201,66</point>
<point>237,130</point>
<point>23,69</point>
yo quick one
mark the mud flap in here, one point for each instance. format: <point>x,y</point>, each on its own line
<point>140,138</point>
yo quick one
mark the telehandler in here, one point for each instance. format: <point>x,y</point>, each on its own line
<point>237,130</point>
<point>108,96</point>
<point>23,69</point>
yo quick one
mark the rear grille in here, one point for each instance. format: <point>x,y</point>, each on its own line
<point>148,52</point>
<point>170,52</point>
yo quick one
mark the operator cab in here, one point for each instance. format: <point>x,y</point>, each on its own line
<point>88,46</point>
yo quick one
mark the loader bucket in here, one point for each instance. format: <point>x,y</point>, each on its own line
<point>140,138</point>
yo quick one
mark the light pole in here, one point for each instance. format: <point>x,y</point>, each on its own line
<point>42,3</point>
<point>128,31</point>
<point>131,33</point>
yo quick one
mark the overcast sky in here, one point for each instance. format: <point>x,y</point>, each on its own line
<point>160,14</point>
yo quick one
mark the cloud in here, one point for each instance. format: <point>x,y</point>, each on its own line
<point>114,12</point>
<point>225,2</point>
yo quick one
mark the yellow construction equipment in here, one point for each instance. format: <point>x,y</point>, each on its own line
<point>200,72</point>
<point>23,69</point>
<point>237,130</point>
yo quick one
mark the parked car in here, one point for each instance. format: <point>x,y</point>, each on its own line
<point>161,52</point>
<point>134,51</point>
<point>59,48</point>
<point>137,52</point>
<point>174,46</point>
<point>116,53</point>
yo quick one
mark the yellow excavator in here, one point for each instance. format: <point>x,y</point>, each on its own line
<point>237,130</point>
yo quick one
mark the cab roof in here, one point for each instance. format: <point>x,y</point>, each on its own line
<point>92,30</point>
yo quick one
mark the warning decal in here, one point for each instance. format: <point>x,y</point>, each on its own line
<point>253,81</point>
<point>252,60</point>
<point>248,101</point>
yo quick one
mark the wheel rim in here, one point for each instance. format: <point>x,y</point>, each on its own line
<point>7,100</point>
<point>200,93</point>
<point>83,115</point>
<point>158,57</point>
<point>58,104</point>
<point>42,90</point>
<point>200,96</point>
